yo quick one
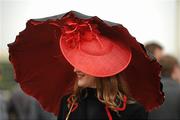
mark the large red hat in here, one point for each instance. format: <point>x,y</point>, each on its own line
<point>44,54</point>
<point>92,46</point>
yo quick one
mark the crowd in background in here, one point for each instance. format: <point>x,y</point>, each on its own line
<point>170,78</point>
<point>19,106</point>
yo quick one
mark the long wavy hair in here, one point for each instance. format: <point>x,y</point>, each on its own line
<point>109,91</point>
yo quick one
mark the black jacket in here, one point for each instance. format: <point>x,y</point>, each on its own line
<point>170,109</point>
<point>90,108</point>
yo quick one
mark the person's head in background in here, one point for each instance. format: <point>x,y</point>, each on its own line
<point>170,67</point>
<point>155,49</point>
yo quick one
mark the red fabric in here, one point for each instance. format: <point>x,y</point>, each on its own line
<point>118,108</point>
<point>43,72</point>
<point>108,113</point>
<point>86,46</point>
<point>142,74</point>
<point>39,67</point>
<point>123,105</point>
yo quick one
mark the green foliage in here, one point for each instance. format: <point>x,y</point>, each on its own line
<point>7,81</point>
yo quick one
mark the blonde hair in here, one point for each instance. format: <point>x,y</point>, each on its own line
<point>108,88</point>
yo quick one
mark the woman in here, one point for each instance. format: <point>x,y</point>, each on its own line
<point>100,98</point>
<point>109,63</point>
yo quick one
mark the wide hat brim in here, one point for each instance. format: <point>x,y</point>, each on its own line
<point>44,70</point>
<point>98,52</point>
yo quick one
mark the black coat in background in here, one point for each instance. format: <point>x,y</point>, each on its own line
<point>170,109</point>
<point>90,108</point>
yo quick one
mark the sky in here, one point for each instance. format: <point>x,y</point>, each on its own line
<point>146,20</point>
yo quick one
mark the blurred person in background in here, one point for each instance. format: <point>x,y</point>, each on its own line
<point>24,107</point>
<point>3,110</point>
<point>155,49</point>
<point>170,110</point>
<point>171,67</point>
<point>176,73</point>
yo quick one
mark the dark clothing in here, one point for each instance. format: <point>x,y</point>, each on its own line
<point>90,108</point>
<point>23,107</point>
<point>3,108</point>
<point>170,109</point>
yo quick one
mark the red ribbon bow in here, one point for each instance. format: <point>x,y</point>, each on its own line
<point>76,32</point>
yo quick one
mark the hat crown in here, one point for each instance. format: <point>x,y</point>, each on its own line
<point>83,34</point>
